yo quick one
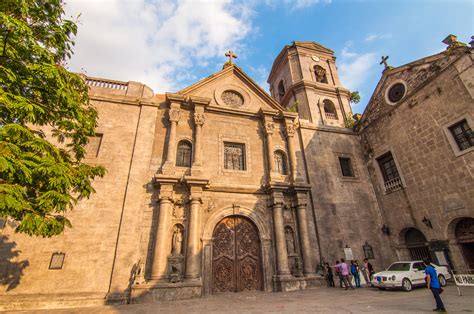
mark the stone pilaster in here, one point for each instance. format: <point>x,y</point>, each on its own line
<point>193,253</point>
<point>301,212</point>
<point>269,127</point>
<point>200,104</point>
<point>174,102</point>
<point>290,129</point>
<point>280,241</point>
<point>162,235</point>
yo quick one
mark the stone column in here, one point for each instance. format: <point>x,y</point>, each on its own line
<point>281,250</point>
<point>160,252</point>
<point>174,118</point>
<point>193,256</point>
<point>290,134</point>
<point>301,211</point>
<point>269,126</point>
<point>198,122</point>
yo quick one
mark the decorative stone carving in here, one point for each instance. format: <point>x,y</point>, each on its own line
<point>287,214</point>
<point>175,269</point>
<point>269,127</point>
<point>174,115</point>
<point>290,129</point>
<point>290,240</point>
<point>232,98</point>
<point>199,118</point>
<point>179,210</point>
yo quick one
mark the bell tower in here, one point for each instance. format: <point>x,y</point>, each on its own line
<point>304,78</point>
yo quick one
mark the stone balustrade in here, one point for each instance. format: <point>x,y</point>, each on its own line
<point>106,84</point>
<point>330,115</point>
<point>393,185</point>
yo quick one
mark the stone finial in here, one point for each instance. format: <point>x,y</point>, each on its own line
<point>452,42</point>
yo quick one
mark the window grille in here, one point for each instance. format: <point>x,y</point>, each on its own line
<point>392,180</point>
<point>280,163</point>
<point>346,166</point>
<point>183,156</point>
<point>462,134</point>
<point>57,260</point>
<point>234,156</point>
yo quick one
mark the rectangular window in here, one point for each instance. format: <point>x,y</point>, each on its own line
<point>346,167</point>
<point>234,156</point>
<point>462,134</point>
<point>388,168</point>
<point>57,260</point>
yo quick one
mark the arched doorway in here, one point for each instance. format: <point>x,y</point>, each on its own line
<point>236,260</point>
<point>417,244</point>
<point>465,237</point>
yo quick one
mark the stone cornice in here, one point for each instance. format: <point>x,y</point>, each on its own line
<point>124,100</point>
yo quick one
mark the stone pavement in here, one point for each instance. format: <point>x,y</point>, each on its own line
<point>319,300</point>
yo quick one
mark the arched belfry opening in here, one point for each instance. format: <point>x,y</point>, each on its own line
<point>236,256</point>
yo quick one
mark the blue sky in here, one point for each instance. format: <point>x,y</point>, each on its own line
<point>171,44</point>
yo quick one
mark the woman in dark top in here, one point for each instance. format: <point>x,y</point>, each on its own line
<point>329,275</point>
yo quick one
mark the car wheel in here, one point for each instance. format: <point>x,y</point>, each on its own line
<point>442,280</point>
<point>380,288</point>
<point>406,285</point>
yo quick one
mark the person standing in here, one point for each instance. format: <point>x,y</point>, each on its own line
<point>432,283</point>
<point>345,274</point>
<point>338,272</point>
<point>329,275</point>
<point>369,271</point>
<point>355,273</point>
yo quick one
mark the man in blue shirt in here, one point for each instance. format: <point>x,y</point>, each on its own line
<point>432,283</point>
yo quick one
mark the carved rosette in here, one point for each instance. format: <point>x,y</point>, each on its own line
<point>199,118</point>
<point>174,115</point>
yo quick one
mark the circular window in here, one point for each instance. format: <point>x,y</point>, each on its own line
<point>396,92</point>
<point>232,98</point>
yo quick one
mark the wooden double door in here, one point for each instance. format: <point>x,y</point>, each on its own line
<point>236,260</point>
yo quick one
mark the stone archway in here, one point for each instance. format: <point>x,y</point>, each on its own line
<point>464,233</point>
<point>416,244</point>
<point>236,262</point>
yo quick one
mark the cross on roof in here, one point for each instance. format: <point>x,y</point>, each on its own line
<point>231,55</point>
<point>384,62</point>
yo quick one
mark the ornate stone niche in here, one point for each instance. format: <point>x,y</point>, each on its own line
<point>176,258</point>
<point>292,245</point>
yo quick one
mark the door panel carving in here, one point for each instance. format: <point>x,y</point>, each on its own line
<point>236,263</point>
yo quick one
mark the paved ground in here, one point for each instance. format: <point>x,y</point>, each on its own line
<point>321,300</point>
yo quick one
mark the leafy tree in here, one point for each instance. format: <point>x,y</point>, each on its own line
<point>45,118</point>
<point>355,97</point>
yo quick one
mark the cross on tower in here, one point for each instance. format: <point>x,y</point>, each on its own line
<point>384,62</point>
<point>231,55</point>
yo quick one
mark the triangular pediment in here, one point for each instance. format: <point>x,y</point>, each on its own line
<point>414,76</point>
<point>232,89</point>
<point>313,46</point>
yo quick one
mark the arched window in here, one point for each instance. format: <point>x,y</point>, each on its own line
<point>281,89</point>
<point>184,154</point>
<point>329,109</point>
<point>280,162</point>
<point>320,74</point>
<point>416,244</point>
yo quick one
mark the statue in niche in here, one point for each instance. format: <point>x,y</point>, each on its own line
<point>290,240</point>
<point>177,241</point>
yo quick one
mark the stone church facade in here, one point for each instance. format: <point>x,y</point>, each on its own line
<point>221,187</point>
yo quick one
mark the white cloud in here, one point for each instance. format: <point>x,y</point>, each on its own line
<point>354,68</point>
<point>295,4</point>
<point>155,42</point>
<point>372,37</point>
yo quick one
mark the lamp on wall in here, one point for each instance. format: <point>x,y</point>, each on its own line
<point>427,222</point>
<point>385,229</point>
